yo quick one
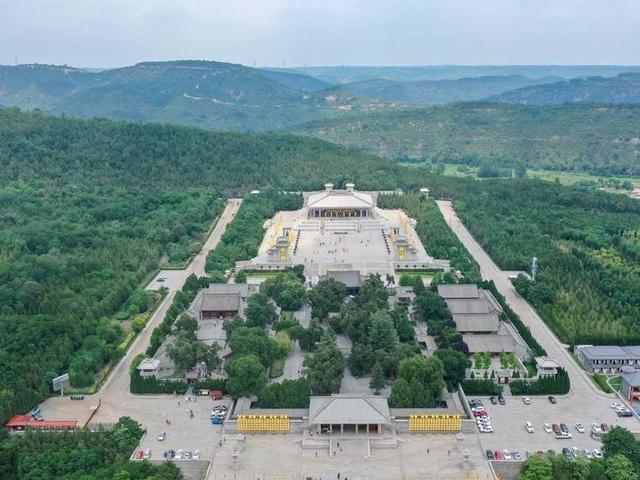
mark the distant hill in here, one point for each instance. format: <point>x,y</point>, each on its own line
<point>349,74</point>
<point>624,88</point>
<point>213,95</point>
<point>296,81</point>
<point>592,138</point>
<point>441,91</point>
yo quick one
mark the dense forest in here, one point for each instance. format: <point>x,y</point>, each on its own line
<point>591,138</point>
<point>588,250</point>
<point>102,455</point>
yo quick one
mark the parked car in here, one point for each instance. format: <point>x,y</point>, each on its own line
<point>528,426</point>
<point>162,436</point>
<point>516,455</point>
<point>494,400</point>
<point>597,453</point>
<point>196,454</point>
<point>547,428</point>
<point>605,428</point>
<point>615,404</point>
<point>139,455</point>
<point>147,453</point>
<point>596,428</point>
<point>526,400</point>
<point>579,428</point>
<point>77,396</point>
<point>169,454</point>
<point>555,428</point>
<point>501,400</point>
<point>217,421</point>
<point>624,412</point>
<point>568,453</point>
<point>552,399</point>
<point>498,455</point>
<point>179,454</point>
<point>490,455</point>
<point>528,454</point>
<point>507,455</point>
<point>588,453</point>
<point>187,455</point>
<point>564,428</point>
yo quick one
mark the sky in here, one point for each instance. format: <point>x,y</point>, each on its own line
<point>112,33</point>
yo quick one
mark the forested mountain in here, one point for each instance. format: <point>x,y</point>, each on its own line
<point>214,95</point>
<point>624,88</point>
<point>440,91</point>
<point>348,74</point>
<point>296,81</point>
<point>591,138</point>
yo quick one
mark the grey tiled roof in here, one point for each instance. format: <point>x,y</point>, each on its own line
<point>458,291</point>
<point>349,409</point>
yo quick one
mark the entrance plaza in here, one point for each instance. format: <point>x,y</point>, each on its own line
<point>342,230</point>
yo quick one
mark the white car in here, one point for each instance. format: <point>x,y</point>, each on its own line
<point>528,426</point>
<point>526,400</point>
<point>588,453</point>
<point>615,404</point>
<point>597,453</point>
<point>179,454</point>
<point>516,455</point>
<point>196,454</point>
<point>547,428</point>
<point>187,455</point>
<point>596,428</point>
<point>147,453</point>
<point>507,455</point>
<point>579,428</point>
<point>162,436</point>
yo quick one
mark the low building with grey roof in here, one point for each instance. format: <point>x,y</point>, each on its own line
<point>351,412</point>
<point>473,309</point>
<point>608,359</point>
<point>221,300</point>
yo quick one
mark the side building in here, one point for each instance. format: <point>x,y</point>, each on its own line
<point>608,359</point>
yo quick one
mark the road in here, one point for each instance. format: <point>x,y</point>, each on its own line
<point>585,403</point>
<point>114,396</point>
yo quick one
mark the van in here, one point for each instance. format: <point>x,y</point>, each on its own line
<point>528,427</point>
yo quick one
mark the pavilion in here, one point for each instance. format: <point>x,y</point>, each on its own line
<point>357,413</point>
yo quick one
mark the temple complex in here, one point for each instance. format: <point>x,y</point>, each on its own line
<point>342,232</point>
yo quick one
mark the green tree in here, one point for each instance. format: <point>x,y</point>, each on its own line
<point>455,364</point>
<point>246,376</point>
<point>621,441</point>
<point>383,334</point>
<point>253,340</point>
<point>401,394</point>
<point>537,468</point>
<point>377,379</point>
<point>325,367</point>
<point>619,467</point>
<point>186,323</point>
<point>259,311</point>
<point>327,296</point>
<point>240,277</point>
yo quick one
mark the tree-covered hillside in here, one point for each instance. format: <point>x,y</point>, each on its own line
<point>441,91</point>
<point>214,95</point>
<point>591,138</point>
<point>625,88</point>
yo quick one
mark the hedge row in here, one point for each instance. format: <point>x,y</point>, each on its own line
<point>556,385</point>
<point>141,384</point>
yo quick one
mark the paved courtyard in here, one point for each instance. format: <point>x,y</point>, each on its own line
<point>273,456</point>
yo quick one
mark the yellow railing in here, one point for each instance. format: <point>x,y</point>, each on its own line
<point>435,423</point>
<point>264,423</point>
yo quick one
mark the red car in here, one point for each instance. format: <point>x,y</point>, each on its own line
<point>555,428</point>
<point>139,455</point>
<point>498,455</point>
<point>605,427</point>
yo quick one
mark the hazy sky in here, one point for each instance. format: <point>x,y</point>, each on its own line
<point>108,33</point>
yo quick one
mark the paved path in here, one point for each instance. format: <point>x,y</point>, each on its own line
<point>580,383</point>
<point>115,398</point>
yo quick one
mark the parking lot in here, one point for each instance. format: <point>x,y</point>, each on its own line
<point>183,432</point>
<point>509,431</point>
